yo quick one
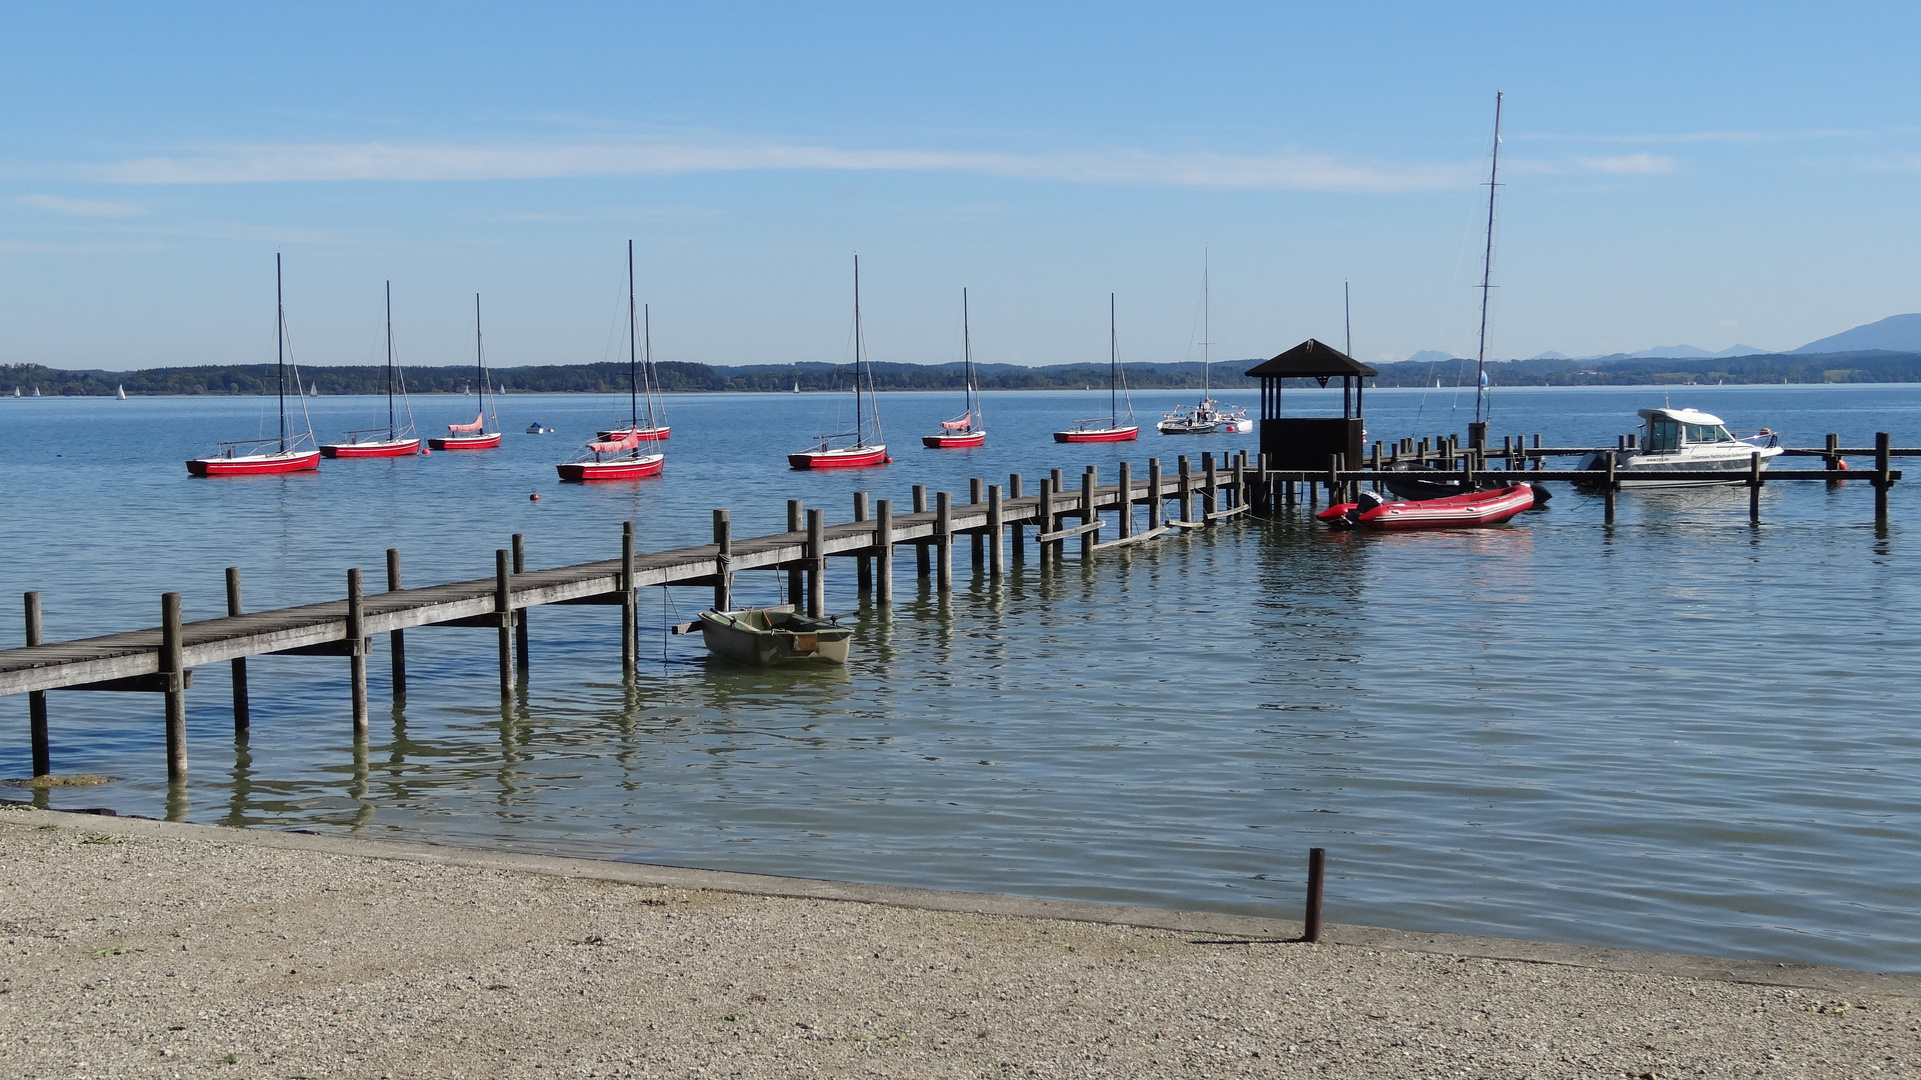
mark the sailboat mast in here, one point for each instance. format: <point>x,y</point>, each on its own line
<point>1487,269</point>
<point>633,359</point>
<point>859,439</point>
<point>1207,328</point>
<point>279,347</point>
<point>393,432</point>
<point>480,363</point>
<point>653,373</point>
<point>1113,368</point>
<point>1347,317</point>
<point>967,360</point>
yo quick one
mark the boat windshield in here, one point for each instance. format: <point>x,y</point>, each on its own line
<point>1664,435</point>
<point>1708,433</point>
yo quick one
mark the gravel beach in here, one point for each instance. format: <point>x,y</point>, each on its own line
<point>140,948</point>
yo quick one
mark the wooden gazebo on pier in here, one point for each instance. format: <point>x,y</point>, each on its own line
<point>1309,442</point>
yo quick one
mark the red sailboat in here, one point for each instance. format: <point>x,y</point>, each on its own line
<point>474,436</point>
<point>289,457</point>
<point>1094,429</point>
<point>860,453</point>
<point>616,455</point>
<point>970,427</point>
<point>399,441</point>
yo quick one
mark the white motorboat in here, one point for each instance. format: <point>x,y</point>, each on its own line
<point>1685,440</point>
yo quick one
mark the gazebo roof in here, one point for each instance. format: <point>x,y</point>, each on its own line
<point>1310,360</point>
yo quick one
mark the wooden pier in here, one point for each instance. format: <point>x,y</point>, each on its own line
<point>161,659</point>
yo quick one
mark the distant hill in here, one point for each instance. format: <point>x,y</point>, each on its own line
<point>1680,352</point>
<point>1867,366</point>
<point>1896,333</point>
<point>1431,356</point>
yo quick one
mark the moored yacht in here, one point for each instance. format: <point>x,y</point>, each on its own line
<point>1685,440</point>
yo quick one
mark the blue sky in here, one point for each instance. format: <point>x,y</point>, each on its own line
<point>1700,174</point>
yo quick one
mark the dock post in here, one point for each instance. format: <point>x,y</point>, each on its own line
<point>1210,489</point>
<point>1187,490</point>
<point>976,494</point>
<point>242,713</point>
<point>1237,488</point>
<point>1316,874</point>
<point>1883,480</point>
<point>357,652</point>
<point>37,699</point>
<point>1155,505</point>
<point>174,676</point>
<point>863,565</point>
<point>795,586</point>
<point>1607,491</point>
<point>1125,485</point>
<point>723,562</point>
<point>996,545</point>
<point>629,603</point>
<point>884,553</point>
<point>1832,459</point>
<point>1089,481</point>
<point>816,563</point>
<point>1043,515</point>
<point>922,568</point>
<point>944,541</point>
<point>1537,446</point>
<point>397,639</point>
<point>504,608</point>
<point>1754,488</point>
<point>1020,533</point>
<point>520,623</point>
<point>1335,463</point>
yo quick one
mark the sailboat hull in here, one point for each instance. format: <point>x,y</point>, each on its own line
<point>849,457</point>
<point>380,448</point>
<point>645,434</point>
<point>466,442</point>
<point>1113,434</point>
<point>954,440</point>
<point>256,464</point>
<point>627,468</point>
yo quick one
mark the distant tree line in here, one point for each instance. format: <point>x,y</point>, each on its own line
<point>608,378</point>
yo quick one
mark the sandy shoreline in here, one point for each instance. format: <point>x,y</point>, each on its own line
<point>141,948</point>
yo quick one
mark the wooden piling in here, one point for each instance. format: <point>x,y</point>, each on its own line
<point>37,700</point>
<point>242,710</point>
<point>1125,483</point>
<point>723,559</point>
<point>996,543</point>
<point>1754,488</point>
<point>1607,492</point>
<point>1154,503</point>
<point>1316,875</point>
<point>1883,443</point>
<point>173,677</point>
<point>923,566</point>
<point>520,622</point>
<point>1043,518</point>
<point>397,639</point>
<point>1831,460</point>
<point>796,521</point>
<point>504,610</point>
<point>1019,537</point>
<point>976,494</point>
<point>357,652</point>
<point>1210,490</point>
<point>884,553</point>
<point>629,603</point>
<point>944,541</point>
<point>863,564</point>
<point>1089,480</point>
<point>816,563</point>
<point>1186,490</point>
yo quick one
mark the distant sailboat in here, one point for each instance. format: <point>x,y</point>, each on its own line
<point>860,453</point>
<point>1113,430</point>
<point>617,454</point>
<point>400,440</point>
<point>970,427</point>
<point>477,435</point>
<point>641,373</point>
<point>289,457</point>
<point>120,393</point>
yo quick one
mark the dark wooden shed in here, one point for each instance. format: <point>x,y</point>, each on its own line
<point>1308,442</point>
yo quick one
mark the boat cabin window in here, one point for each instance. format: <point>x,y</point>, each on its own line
<point>1664,435</point>
<point>1708,433</point>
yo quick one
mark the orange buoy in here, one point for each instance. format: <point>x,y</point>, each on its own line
<point>1841,464</point>
<point>535,497</point>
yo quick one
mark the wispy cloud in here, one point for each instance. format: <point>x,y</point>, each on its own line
<point>1801,135</point>
<point>81,207</point>
<point>1628,164</point>
<point>283,163</point>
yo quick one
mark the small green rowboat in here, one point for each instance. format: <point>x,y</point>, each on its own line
<point>767,636</point>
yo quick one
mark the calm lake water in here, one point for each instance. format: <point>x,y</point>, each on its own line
<point>1680,732</point>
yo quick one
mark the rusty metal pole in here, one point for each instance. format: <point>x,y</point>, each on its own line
<point>1316,873</point>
